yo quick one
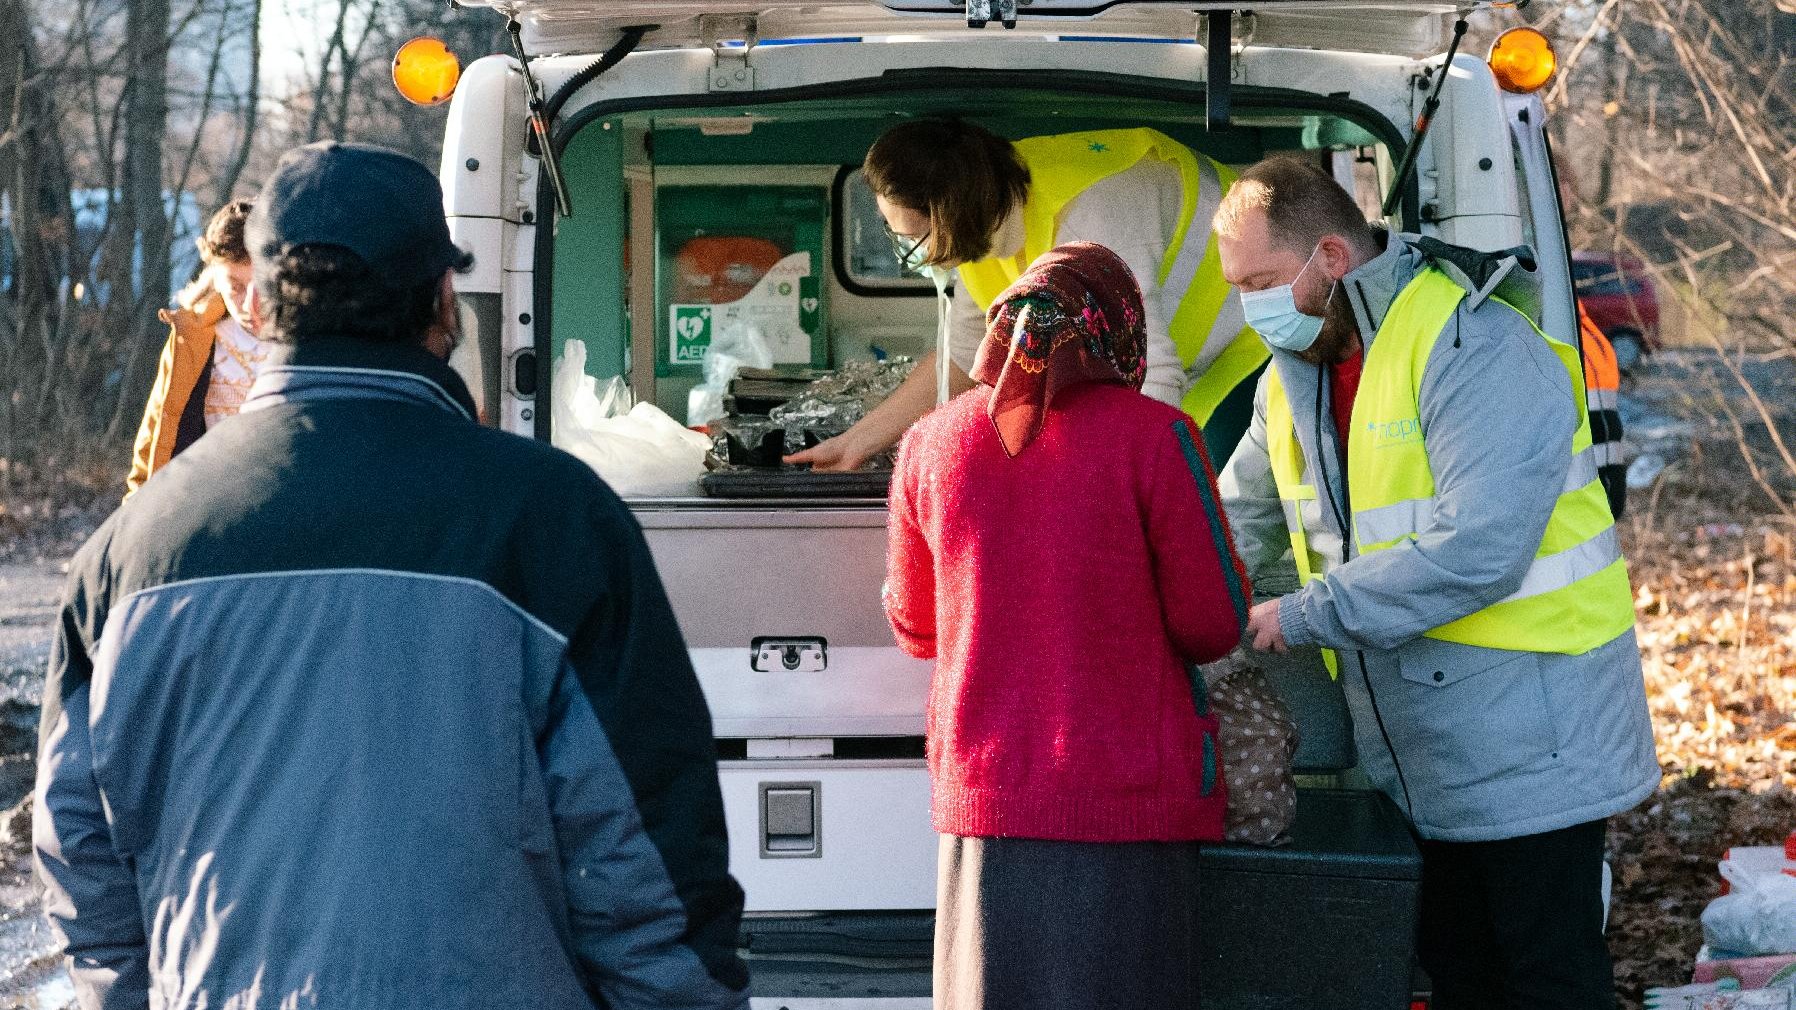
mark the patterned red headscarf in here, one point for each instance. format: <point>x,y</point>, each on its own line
<point>1074,317</point>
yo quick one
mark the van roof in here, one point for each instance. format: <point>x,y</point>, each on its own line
<point>1399,27</point>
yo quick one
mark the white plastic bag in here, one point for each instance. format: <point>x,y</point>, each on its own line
<point>639,451</point>
<point>1725,995</point>
<point>1756,917</point>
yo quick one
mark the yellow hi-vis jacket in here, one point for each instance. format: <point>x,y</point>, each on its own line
<point>1475,742</point>
<point>1575,595</point>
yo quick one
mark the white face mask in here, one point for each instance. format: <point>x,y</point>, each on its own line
<point>1274,315</point>
<point>942,276</point>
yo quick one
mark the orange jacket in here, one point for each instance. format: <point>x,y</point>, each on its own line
<point>174,416</point>
<point>1600,368</point>
<point>1602,395</point>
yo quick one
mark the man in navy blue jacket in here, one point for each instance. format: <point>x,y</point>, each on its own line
<point>360,704</point>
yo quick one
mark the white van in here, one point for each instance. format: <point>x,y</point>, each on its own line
<point>701,149</point>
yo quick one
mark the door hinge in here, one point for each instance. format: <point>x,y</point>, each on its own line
<point>730,70</point>
<point>1219,69</point>
<point>983,12</point>
<point>1247,25</point>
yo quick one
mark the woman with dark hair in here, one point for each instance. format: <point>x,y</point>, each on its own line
<point>1057,548</point>
<point>961,202</point>
<point>213,350</point>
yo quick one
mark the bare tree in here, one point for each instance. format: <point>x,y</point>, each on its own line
<point>1688,112</point>
<point>122,123</point>
<point>249,106</point>
<point>321,94</point>
<point>34,190</point>
<point>346,91</point>
<point>146,129</point>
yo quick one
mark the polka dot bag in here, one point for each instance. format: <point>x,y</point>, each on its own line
<point>1258,740</point>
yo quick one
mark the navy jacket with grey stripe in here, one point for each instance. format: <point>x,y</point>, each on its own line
<point>360,704</point>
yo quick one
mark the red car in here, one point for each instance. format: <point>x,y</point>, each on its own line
<point>1621,300</point>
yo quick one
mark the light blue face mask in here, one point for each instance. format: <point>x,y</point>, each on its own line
<point>911,252</point>
<point>1274,315</point>
<point>913,258</point>
<point>942,276</point>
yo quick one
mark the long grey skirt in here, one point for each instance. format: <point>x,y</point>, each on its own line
<point>1025,924</point>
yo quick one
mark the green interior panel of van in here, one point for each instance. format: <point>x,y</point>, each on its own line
<point>588,288</point>
<point>846,143</point>
<point>589,282</point>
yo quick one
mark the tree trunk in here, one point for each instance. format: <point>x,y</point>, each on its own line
<point>1615,81</point>
<point>12,166</point>
<point>337,49</point>
<point>352,71</point>
<point>34,176</point>
<point>146,125</point>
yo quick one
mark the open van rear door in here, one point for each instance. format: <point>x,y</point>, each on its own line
<point>1398,27</point>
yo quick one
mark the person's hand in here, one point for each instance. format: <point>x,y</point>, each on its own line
<point>833,455</point>
<point>1262,624</point>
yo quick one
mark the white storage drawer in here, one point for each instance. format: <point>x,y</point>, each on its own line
<point>870,846</point>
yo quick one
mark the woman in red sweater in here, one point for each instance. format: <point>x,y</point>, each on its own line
<point>1058,549</point>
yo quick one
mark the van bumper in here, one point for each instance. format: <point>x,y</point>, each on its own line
<point>828,960</point>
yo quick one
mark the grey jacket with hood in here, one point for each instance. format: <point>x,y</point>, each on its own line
<point>1474,744</point>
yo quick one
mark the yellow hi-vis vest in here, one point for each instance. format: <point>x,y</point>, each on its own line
<point>1575,596</point>
<point>1216,347</point>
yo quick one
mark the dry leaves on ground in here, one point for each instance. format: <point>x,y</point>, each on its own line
<point>1717,610</point>
<point>1716,600</point>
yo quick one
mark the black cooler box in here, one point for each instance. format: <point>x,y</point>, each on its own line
<point>1325,923</point>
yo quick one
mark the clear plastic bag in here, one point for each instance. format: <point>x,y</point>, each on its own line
<point>732,350</point>
<point>639,450</point>
<point>1756,917</point>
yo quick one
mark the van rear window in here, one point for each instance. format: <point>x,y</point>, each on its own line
<point>864,260</point>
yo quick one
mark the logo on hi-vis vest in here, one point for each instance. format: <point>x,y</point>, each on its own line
<point>1391,434</point>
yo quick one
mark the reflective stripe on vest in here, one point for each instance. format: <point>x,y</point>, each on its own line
<point>1285,456</point>
<point>1207,329</point>
<point>1605,426</point>
<point>1232,351</point>
<point>1575,595</point>
<point>1411,516</point>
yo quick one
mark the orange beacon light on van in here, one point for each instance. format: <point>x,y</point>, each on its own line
<point>1522,60</point>
<point>425,71</point>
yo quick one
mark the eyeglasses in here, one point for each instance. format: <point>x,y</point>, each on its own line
<point>903,246</point>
